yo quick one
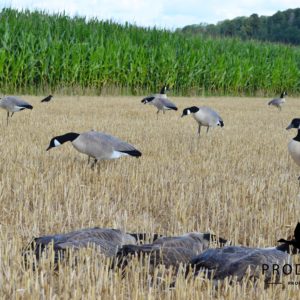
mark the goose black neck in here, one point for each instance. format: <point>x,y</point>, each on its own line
<point>68,137</point>
<point>163,90</point>
<point>297,137</point>
<point>285,247</point>
<point>290,247</point>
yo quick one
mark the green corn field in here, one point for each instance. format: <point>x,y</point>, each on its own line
<point>41,52</point>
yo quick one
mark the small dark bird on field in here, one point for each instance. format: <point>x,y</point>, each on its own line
<point>47,99</point>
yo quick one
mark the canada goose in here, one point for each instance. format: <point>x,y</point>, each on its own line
<point>278,101</point>
<point>47,99</point>
<point>160,101</point>
<point>294,144</point>
<point>235,262</point>
<point>205,116</point>
<point>13,104</point>
<point>170,251</point>
<point>96,144</point>
<point>106,240</point>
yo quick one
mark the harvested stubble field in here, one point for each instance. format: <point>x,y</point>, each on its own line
<point>238,182</point>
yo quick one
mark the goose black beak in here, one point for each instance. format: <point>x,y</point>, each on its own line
<point>289,127</point>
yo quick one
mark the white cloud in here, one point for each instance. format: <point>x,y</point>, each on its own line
<point>161,13</point>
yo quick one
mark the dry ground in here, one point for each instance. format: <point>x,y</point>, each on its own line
<point>238,182</point>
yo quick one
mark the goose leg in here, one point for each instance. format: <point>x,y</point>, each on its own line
<point>89,160</point>
<point>12,114</point>
<point>199,130</point>
<point>94,163</point>
<point>207,129</point>
<point>157,114</point>
<point>7,118</point>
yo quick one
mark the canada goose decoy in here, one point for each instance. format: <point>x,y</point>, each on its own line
<point>106,240</point>
<point>47,99</point>
<point>160,101</point>
<point>13,104</point>
<point>97,145</point>
<point>205,116</point>
<point>294,144</point>
<point>235,262</point>
<point>278,101</point>
<point>170,251</point>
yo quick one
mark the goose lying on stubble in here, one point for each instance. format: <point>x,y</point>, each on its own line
<point>170,251</point>
<point>277,102</point>
<point>160,101</point>
<point>205,116</point>
<point>97,145</point>
<point>294,144</point>
<point>13,104</point>
<point>106,240</point>
<point>235,262</point>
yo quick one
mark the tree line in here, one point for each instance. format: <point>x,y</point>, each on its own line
<point>282,27</point>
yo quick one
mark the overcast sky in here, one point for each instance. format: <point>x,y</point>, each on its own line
<point>161,13</point>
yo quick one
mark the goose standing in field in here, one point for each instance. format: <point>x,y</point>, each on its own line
<point>97,145</point>
<point>160,101</point>
<point>47,99</point>
<point>205,116</point>
<point>13,104</point>
<point>278,101</point>
<point>235,262</point>
<point>294,144</point>
<point>170,251</point>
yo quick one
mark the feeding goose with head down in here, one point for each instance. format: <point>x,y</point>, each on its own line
<point>237,262</point>
<point>97,145</point>
<point>204,116</point>
<point>160,101</point>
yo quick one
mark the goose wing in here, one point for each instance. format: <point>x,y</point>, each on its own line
<point>95,141</point>
<point>276,101</point>
<point>17,102</point>
<point>167,103</point>
<point>108,240</point>
<point>210,116</point>
<point>236,262</point>
<point>158,254</point>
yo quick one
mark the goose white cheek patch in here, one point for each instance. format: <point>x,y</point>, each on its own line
<point>56,143</point>
<point>188,112</point>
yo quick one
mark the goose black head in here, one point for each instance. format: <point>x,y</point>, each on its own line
<point>60,139</point>
<point>295,243</point>
<point>189,110</point>
<point>284,93</point>
<point>164,89</point>
<point>294,124</point>
<point>147,99</point>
